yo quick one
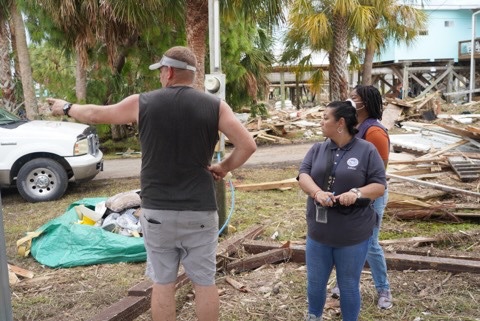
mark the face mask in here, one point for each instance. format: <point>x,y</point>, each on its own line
<point>354,104</point>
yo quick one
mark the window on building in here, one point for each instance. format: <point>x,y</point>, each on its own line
<point>423,32</point>
<point>448,24</point>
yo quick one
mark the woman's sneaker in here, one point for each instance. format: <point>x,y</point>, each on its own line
<point>384,299</point>
<point>311,317</point>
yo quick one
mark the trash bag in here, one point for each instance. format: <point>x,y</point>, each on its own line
<point>64,243</point>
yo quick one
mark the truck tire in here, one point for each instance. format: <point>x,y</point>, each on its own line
<point>41,180</point>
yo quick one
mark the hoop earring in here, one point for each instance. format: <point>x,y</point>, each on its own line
<point>339,130</point>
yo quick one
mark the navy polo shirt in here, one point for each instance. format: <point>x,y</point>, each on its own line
<point>354,165</point>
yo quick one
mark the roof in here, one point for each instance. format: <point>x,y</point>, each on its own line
<point>446,4</point>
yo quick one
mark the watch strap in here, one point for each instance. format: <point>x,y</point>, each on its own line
<point>66,109</point>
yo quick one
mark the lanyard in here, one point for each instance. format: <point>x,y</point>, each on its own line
<point>331,178</point>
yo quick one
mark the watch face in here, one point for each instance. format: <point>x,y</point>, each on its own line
<point>66,108</point>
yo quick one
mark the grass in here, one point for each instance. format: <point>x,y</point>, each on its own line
<point>275,292</point>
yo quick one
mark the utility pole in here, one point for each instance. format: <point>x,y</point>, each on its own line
<point>215,85</point>
<point>5,295</point>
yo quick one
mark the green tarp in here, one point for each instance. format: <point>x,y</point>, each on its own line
<point>64,243</point>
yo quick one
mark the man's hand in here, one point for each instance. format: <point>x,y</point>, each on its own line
<point>217,171</point>
<point>56,106</point>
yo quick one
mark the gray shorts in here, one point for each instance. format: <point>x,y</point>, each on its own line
<point>174,237</point>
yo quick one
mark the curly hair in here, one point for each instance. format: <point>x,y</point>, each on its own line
<point>372,100</point>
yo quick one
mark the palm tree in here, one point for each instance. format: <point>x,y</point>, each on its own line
<point>11,22</point>
<point>6,80</point>
<point>116,25</point>
<point>331,25</point>
<point>390,21</point>
<point>265,12</point>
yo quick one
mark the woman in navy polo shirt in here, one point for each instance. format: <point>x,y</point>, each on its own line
<point>340,175</point>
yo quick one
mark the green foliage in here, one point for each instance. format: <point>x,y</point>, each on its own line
<point>53,72</point>
<point>258,109</point>
<point>110,147</point>
<point>247,58</point>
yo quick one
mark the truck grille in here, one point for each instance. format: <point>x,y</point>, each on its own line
<point>93,144</point>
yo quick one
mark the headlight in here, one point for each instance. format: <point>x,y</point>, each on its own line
<point>81,147</point>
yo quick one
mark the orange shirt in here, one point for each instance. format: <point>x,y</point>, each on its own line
<point>379,138</point>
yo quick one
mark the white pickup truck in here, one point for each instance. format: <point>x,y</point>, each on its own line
<point>41,157</point>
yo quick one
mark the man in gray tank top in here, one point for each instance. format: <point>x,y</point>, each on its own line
<point>178,130</point>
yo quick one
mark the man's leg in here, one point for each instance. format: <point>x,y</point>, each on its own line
<point>207,302</point>
<point>163,302</point>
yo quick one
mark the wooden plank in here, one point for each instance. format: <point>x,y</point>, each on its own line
<point>415,239</point>
<point>231,245</point>
<point>254,247</point>
<point>427,253</point>
<point>473,129</point>
<point>416,161</point>
<point>460,131</point>
<point>444,149</point>
<point>434,185</point>
<point>257,260</point>
<point>390,115</point>
<point>291,182</point>
<point>417,171</point>
<point>19,271</point>
<point>403,262</point>
<point>422,195</point>
<point>126,309</point>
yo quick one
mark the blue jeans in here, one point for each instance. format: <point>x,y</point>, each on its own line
<point>375,256</point>
<point>348,262</point>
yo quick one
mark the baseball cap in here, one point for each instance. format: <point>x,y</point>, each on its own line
<point>170,62</point>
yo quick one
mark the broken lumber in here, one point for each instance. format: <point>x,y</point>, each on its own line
<point>403,262</point>
<point>237,285</point>
<point>19,271</point>
<point>257,260</point>
<point>407,240</point>
<point>254,247</point>
<point>396,261</point>
<point>441,187</point>
<point>286,183</point>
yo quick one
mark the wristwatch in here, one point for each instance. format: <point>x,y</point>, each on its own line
<point>356,191</point>
<point>66,109</point>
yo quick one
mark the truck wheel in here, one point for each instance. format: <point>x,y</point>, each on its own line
<point>41,180</point>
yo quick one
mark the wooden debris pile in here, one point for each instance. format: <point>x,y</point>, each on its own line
<point>284,123</point>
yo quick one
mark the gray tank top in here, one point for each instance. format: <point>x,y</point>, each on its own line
<point>178,129</point>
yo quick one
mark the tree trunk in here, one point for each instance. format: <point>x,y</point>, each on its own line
<point>368,65</point>
<point>6,81</point>
<point>118,132</point>
<point>197,26</point>
<point>339,60</point>
<point>80,79</point>
<point>23,56</point>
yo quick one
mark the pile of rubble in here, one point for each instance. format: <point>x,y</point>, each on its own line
<point>434,166</point>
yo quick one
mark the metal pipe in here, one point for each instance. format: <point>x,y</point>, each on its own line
<point>216,32</point>
<point>472,59</point>
<point>211,42</point>
<point>5,295</point>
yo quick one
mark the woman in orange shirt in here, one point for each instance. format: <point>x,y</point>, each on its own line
<point>369,105</point>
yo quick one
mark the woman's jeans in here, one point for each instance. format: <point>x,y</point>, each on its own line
<point>375,256</point>
<point>349,262</point>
